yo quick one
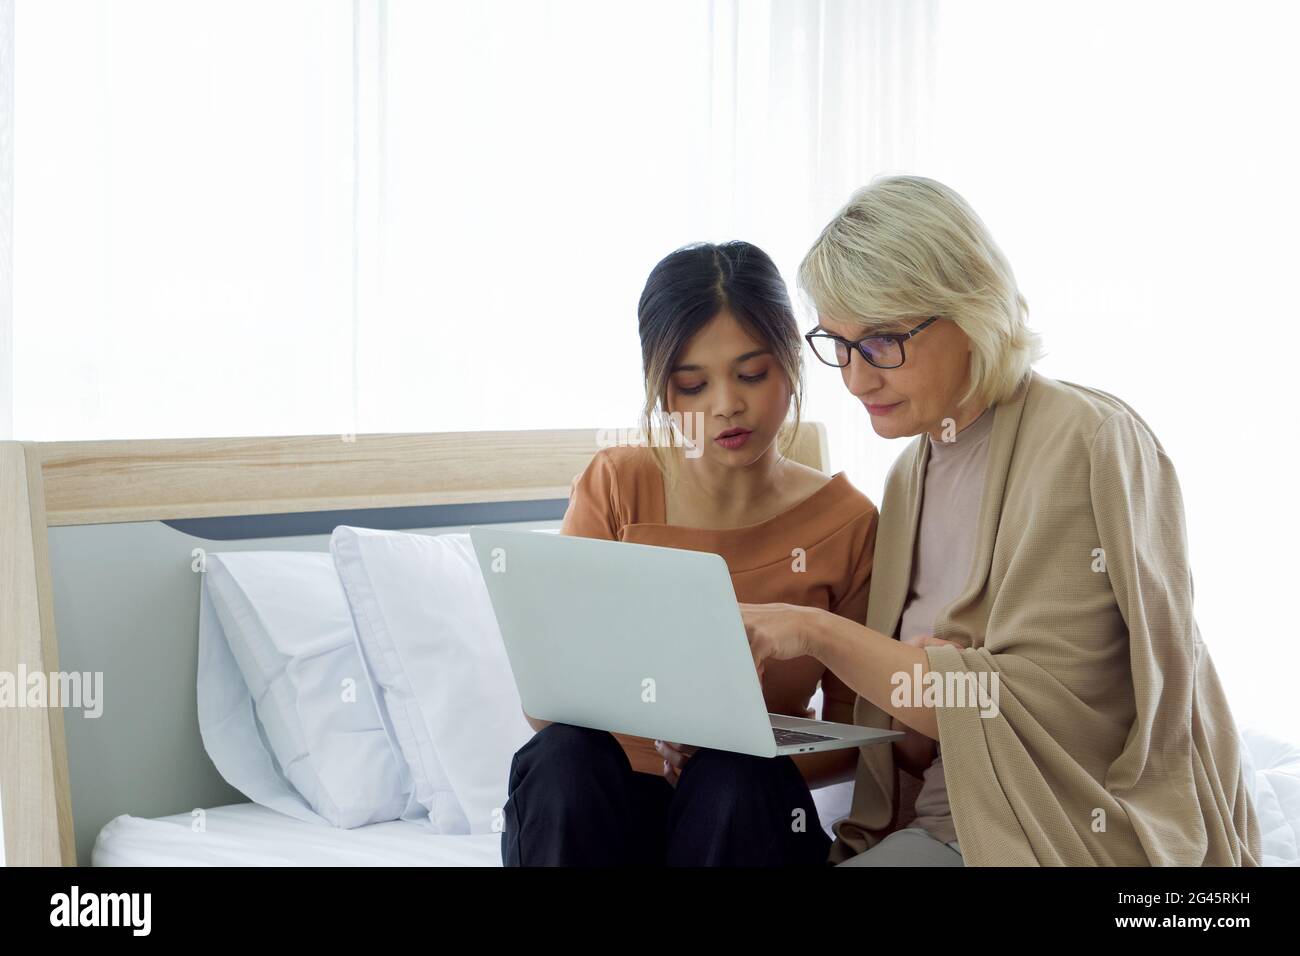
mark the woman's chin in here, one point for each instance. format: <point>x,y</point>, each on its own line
<point>888,429</point>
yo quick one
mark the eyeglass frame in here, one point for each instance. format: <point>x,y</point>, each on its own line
<point>856,346</point>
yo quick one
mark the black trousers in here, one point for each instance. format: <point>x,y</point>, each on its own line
<point>574,800</point>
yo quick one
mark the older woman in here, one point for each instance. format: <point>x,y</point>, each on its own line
<point>1030,615</point>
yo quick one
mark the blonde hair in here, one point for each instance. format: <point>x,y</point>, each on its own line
<point>906,247</point>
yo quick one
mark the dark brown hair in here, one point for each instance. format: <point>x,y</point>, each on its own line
<point>684,292</point>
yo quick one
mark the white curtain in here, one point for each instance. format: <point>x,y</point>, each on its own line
<point>1137,163</point>
<point>315,217</point>
<point>6,223</point>
<point>585,141</point>
<point>251,218</point>
<point>183,218</point>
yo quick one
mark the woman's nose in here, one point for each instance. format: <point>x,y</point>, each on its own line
<point>860,376</point>
<point>727,401</point>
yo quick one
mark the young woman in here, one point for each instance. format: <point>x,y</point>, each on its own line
<point>722,354</point>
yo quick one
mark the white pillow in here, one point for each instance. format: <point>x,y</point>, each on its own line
<point>429,634</point>
<point>286,711</point>
<point>1272,768</point>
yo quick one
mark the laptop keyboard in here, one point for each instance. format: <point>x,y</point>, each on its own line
<point>784,737</point>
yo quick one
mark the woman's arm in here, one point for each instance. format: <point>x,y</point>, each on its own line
<point>867,660</point>
<point>863,659</point>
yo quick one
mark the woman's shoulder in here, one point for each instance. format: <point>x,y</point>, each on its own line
<point>855,502</point>
<point>1068,415</point>
<point>1073,433</point>
<point>806,481</point>
<point>861,516</point>
<point>615,489</point>
<point>627,463</point>
<point>631,473</point>
<point>841,508</point>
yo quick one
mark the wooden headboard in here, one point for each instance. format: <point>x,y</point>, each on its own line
<point>46,485</point>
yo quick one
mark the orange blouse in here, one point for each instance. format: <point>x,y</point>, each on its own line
<point>817,553</point>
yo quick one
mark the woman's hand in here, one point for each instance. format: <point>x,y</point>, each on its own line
<point>675,757</point>
<point>776,632</point>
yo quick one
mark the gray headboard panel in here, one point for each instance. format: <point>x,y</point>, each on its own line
<point>126,604</point>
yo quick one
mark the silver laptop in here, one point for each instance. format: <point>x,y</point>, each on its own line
<point>638,640</point>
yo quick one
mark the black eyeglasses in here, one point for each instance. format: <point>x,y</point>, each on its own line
<point>882,351</point>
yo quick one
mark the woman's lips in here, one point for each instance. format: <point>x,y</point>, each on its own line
<point>734,441</point>
<point>882,409</point>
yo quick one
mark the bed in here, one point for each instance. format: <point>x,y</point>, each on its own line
<point>102,537</point>
<point>98,544</point>
<point>246,834</point>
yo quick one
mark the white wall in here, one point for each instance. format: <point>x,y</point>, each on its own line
<point>439,217</point>
<point>6,224</point>
<point>1137,163</point>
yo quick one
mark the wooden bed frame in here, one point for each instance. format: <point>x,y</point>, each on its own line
<point>50,484</point>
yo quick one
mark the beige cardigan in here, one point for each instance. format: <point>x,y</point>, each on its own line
<point>1113,743</point>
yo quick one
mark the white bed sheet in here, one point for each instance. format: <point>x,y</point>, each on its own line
<point>246,834</point>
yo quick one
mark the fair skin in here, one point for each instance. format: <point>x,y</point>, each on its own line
<point>919,397</point>
<point>732,379</point>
